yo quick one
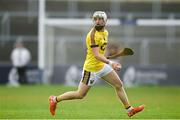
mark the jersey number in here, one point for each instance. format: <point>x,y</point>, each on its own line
<point>103,46</point>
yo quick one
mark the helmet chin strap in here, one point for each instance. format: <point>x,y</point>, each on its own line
<point>99,27</point>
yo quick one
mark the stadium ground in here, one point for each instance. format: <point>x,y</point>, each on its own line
<point>31,102</point>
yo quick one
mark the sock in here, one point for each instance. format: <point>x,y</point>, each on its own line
<point>129,108</point>
<point>55,99</point>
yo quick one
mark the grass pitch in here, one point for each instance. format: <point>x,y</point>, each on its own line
<point>31,102</point>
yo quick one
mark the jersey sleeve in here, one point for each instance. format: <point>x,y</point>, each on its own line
<point>93,39</point>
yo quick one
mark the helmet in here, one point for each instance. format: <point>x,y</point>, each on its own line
<point>100,14</point>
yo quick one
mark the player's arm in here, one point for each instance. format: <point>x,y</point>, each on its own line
<point>95,50</point>
<point>114,65</point>
<point>99,56</point>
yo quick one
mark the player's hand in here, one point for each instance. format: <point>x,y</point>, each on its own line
<point>115,65</point>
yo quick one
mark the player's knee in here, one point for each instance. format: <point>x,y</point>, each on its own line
<point>81,95</point>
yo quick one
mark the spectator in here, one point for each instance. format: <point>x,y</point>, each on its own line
<point>20,58</point>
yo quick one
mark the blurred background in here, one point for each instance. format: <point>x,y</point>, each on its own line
<point>54,32</point>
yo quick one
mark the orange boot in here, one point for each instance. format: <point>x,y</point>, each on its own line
<point>52,104</point>
<point>135,110</point>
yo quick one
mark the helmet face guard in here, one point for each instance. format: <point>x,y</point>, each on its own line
<point>99,14</point>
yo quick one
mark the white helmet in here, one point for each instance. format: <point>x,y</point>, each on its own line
<point>100,14</point>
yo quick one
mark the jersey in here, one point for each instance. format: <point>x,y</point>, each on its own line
<point>95,39</point>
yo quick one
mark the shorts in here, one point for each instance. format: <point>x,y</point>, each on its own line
<point>89,78</point>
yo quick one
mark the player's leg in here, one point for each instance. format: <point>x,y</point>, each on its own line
<point>78,94</point>
<point>113,79</point>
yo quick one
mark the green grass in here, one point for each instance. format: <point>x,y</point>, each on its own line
<point>100,103</point>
